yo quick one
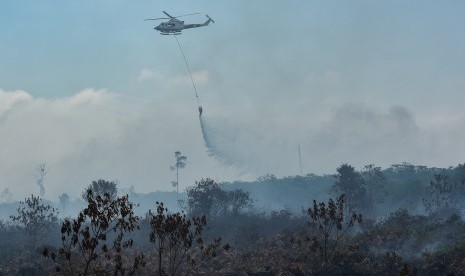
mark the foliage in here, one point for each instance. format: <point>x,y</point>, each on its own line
<point>97,235</point>
<point>458,179</point>
<point>207,198</point>
<point>277,241</point>
<point>332,226</point>
<point>350,183</point>
<point>175,237</point>
<point>374,180</point>
<point>35,217</point>
<point>100,188</point>
<point>439,194</point>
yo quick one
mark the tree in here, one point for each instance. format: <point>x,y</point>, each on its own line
<point>96,236</point>
<point>180,164</point>
<point>332,225</point>
<point>458,178</point>
<point>175,237</point>
<point>239,200</point>
<point>40,181</point>
<point>207,198</point>
<point>439,194</point>
<point>35,217</point>
<point>101,187</point>
<point>350,183</point>
<point>374,182</point>
<point>64,200</point>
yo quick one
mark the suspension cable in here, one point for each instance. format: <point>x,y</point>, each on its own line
<point>188,69</point>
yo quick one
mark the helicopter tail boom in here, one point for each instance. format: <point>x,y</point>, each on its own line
<point>188,26</point>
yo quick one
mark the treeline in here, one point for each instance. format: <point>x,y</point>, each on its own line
<point>381,191</point>
<point>404,220</point>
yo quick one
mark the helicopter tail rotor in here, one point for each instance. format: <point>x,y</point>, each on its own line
<point>210,18</point>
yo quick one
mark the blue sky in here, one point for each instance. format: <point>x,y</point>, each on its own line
<point>349,81</point>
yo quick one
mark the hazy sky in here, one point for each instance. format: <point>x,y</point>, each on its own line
<point>94,92</point>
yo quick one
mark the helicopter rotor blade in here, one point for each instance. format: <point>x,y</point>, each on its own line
<point>168,14</point>
<point>187,14</point>
<point>179,15</point>
<point>156,18</point>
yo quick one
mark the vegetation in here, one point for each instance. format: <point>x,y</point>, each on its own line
<point>100,188</point>
<point>35,217</point>
<point>95,236</point>
<point>176,239</point>
<point>413,226</point>
<point>179,164</point>
<point>331,225</point>
<point>207,198</point>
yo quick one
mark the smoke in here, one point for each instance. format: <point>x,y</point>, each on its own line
<point>10,99</point>
<point>352,133</point>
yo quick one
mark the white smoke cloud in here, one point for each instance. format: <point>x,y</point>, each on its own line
<point>56,132</point>
<point>200,77</point>
<point>9,99</point>
<point>89,96</point>
<point>149,74</point>
<point>96,134</point>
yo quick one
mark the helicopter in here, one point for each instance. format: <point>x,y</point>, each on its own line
<point>174,26</point>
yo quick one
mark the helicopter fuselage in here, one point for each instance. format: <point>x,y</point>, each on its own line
<point>172,26</point>
<point>175,26</point>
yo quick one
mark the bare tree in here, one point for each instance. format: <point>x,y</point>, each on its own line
<point>40,181</point>
<point>180,164</point>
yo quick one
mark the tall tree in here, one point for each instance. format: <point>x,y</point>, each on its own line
<point>40,180</point>
<point>180,164</point>
<point>374,183</point>
<point>439,194</point>
<point>64,200</point>
<point>350,183</point>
